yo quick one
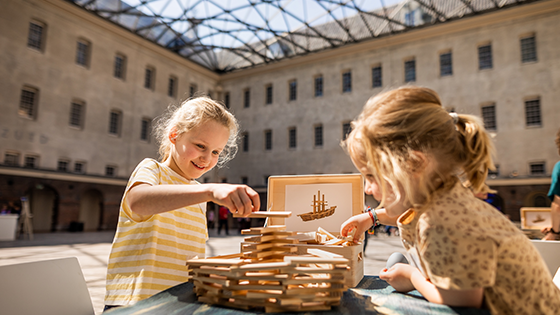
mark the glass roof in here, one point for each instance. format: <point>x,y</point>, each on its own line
<point>225,35</point>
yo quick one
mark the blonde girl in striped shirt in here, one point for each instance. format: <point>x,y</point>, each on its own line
<point>162,219</point>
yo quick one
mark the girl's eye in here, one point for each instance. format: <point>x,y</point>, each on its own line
<point>201,146</point>
<point>215,152</point>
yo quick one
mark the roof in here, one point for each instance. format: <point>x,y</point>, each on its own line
<point>227,35</point>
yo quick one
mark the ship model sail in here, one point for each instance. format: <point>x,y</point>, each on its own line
<point>319,209</point>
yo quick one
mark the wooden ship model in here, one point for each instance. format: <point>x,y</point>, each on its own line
<point>319,209</point>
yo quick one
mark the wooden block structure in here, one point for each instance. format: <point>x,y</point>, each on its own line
<point>269,274</point>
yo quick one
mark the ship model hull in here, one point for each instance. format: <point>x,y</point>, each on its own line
<point>319,209</point>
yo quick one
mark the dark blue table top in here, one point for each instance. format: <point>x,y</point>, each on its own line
<point>371,296</point>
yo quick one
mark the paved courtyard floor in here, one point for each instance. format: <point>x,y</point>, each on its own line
<point>92,250</point>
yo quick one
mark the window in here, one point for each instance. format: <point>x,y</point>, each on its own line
<point>11,158</point>
<point>245,137</point>
<point>246,98</point>
<point>192,90</point>
<point>82,52</point>
<point>533,112</point>
<point>268,139</point>
<point>30,161</point>
<point>28,102</point>
<point>62,166</point>
<point>149,78</point>
<point>485,57</point>
<point>318,86</point>
<point>347,82</point>
<point>292,139</point>
<point>210,94</point>
<point>145,129</point>
<point>410,70</point>
<point>528,49</point>
<point>115,122</point>
<point>80,167</point>
<point>172,87</point>
<point>268,94</point>
<point>35,38</point>
<point>226,100</point>
<point>445,64</point>
<point>376,79</point>
<point>292,90</point>
<point>110,171</point>
<point>537,168</point>
<point>346,129</point>
<point>244,180</point>
<point>77,109</point>
<point>319,135</point>
<point>489,116</point>
<point>120,66</point>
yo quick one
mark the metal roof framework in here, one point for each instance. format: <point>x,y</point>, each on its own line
<point>226,35</point>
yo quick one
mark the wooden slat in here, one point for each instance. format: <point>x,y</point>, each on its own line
<point>266,214</point>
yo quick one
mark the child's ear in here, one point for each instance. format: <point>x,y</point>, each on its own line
<point>173,135</point>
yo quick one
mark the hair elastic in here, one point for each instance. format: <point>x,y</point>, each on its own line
<point>455,117</point>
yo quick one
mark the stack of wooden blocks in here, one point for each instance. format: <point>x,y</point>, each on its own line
<point>269,274</point>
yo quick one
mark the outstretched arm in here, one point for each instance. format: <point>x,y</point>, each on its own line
<point>362,222</point>
<point>145,199</point>
<point>405,278</point>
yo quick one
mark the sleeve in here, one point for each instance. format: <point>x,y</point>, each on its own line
<point>147,172</point>
<point>555,184</point>
<point>455,258</point>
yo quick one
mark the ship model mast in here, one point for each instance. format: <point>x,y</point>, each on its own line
<point>319,209</point>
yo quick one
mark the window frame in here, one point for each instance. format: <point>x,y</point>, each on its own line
<point>145,127</point>
<point>193,89</point>
<point>347,81</point>
<point>292,90</point>
<point>39,42</point>
<point>150,78</point>
<point>113,168</point>
<point>246,97</point>
<point>29,110</point>
<point>81,115</point>
<point>533,164</point>
<point>17,158</point>
<point>318,85</point>
<point>528,54</point>
<point>117,123</point>
<point>83,167</point>
<point>318,136</point>
<point>227,100</point>
<point>485,58</point>
<point>268,94</point>
<point>346,129</point>
<point>31,157</point>
<point>445,66</point>
<point>268,140</point>
<point>84,54</point>
<point>292,137</point>
<point>493,126</point>
<point>172,85</point>
<point>376,76</point>
<point>410,70</point>
<point>532,124</point>
<point>245,141</point>
<point>119,68</point>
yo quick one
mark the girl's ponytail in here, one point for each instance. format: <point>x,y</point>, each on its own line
<point>478,152</point>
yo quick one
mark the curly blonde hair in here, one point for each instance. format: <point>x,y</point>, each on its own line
<point>394,126</point>
<point>191,114</point>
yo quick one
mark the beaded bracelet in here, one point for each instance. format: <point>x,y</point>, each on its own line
<point>374,218</point>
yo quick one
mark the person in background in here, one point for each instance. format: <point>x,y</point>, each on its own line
<point>425,165</point>
<point>162,219</point>
<point>553,233</point>
<point>223,214</point>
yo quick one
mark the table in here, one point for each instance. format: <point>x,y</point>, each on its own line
<point>371,296</point>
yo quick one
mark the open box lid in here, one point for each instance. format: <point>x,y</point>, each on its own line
<point>299,194</point>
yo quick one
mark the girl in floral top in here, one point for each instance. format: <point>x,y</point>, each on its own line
<point>425,165</point>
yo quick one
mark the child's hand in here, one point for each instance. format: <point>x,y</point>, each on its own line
<point>240,199</point>
<point>399,277</point>
<point>361,222</point>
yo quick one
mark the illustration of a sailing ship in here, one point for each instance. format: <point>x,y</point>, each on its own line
<point>319,209</point>
<point>539,219</point>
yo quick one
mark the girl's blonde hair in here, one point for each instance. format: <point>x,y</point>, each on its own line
<point>394,126</point>
<point>191,114</point>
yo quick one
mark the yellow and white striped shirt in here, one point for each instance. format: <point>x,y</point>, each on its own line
<point>149,253</point>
